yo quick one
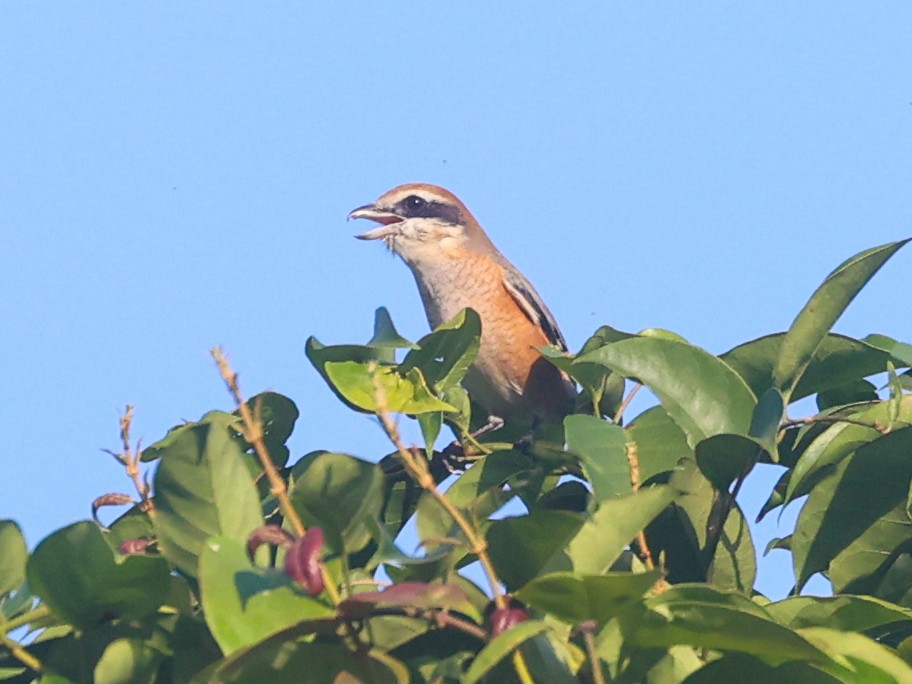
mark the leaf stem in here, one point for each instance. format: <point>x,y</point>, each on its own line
<point>39,612</point>
<point>522,669</point>
<point>595,663</point>
<point>633,462</point>
<point>18,651</point>
<point>616,419</point>
<point>253,433</point>
<point>810,420</point>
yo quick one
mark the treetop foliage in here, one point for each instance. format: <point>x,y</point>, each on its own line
<point>625,556</point>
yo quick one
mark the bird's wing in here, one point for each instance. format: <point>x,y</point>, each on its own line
<point>532,305</point>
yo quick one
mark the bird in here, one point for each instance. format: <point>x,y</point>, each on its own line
<point>456,265</point>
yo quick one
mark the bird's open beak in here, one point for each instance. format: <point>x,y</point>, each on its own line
<point>383,216</point>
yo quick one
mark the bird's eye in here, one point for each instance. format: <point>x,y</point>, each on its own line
<point>414,202</point>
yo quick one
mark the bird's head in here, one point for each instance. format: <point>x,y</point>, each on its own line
<point>418,221</point>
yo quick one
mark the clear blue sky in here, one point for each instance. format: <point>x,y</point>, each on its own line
<point>176,176</point>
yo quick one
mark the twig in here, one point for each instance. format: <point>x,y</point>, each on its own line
<point>624,404</point>
<point>417,467</point>
<point>18,651</point>
<point>810,420</point>
<point>633,462</point>
<point>131,459</point>
<point>253,433</point>
<point>722,504</point>
<point>444,619</point>
<point>595,663</point>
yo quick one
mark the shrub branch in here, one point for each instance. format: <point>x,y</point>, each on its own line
<point>253,433</point>
<point>130,459</point>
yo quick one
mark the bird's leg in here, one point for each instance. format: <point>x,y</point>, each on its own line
<point>493,424</point>
<point>454,456</point>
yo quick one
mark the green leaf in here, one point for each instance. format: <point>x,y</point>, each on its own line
<point>500,647</point>
<point>700,616</point>
<point>604,388</point>
<point>602,450</point>
<point>229,421</point>
<point>278,414</point>
<point>320,355</point>
<point>445,355</point>
<point>700,392</point>
<point>822,310</point>
<point>546,541</point>
<point>660,443</point>
<point>430,424</point>
<point>859,658</point>
<point>776,497</point>
<point>127,661</point>
<point>338,493</point>
<point>900,351</point>
<point>681,533</point>
<point>438,530</point>
<point>520,547</point>
<point>838,441</point>
<point>78,575</point>
<point>494,470</point>
<point>604,537</point>
<point>837,361</point>
<point>734,667</point>
<point>202,489</point>
<point>856,516</point>
<point>133,524</point>
<point>723,458</point>
<point>242,603</point>
<point>765,422</point>
<point>845,612</point>
<point>13,555</point>
<point>573,597</point>
<point>407,393</point>
<point>853,392</point>
<point>293,662</point>
<point>385,333</point>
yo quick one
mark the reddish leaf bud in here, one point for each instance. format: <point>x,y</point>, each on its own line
<point>267,534</point>
<point>112,499</point>
<point>502,619</point>
<point>302,561</point>
<point>131,547</point>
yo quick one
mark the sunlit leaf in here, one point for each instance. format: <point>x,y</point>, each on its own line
<point>385,333</point>
<point>837,360</point>
<point>856,516</point>
<point>445,355</point>
<point>706,618</point>
<point>500,647</point>
<point>81,579</point>
<point>13,555</point>
<point>409,393</point>
<point>822,310</point>
<point>338,493</point>
<point>242,603</point>
<point>573,597</point>
<point>202,489</point>
<point>700,392</point>
<point>839,440</point>
<point>602,449</point>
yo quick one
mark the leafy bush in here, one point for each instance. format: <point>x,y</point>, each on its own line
<point>630,562</point>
